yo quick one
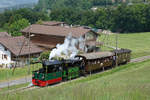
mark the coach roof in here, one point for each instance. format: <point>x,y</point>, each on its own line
<point>97,55</point>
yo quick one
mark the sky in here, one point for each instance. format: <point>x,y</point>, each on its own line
<point>9,3</point>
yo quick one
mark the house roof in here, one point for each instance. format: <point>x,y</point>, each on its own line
<point>55,30</point>
<point>52,23</point>
<point>14,45</point>
<point>4,34</point>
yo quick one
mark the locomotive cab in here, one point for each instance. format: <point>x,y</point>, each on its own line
<point>50,73</point>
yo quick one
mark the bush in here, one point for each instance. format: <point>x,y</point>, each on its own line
<point>17,26</point>
<point>44,55</point>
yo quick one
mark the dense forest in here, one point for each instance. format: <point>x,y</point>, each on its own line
<point>118,18</point>
<point>123,18</point>
<point>78,4</point>
<point>82,4</point>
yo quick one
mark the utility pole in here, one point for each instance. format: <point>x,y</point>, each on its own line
<point>116,49</point>
<point>29,48</point>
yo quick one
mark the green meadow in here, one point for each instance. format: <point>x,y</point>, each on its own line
<point>139,43</point>
<point>127,82</point>
<point>11,74</point>
<point>2,30</point>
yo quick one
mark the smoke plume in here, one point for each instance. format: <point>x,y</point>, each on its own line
<point>69,48</point>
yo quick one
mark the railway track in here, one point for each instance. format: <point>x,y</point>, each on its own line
<point>140,59</point>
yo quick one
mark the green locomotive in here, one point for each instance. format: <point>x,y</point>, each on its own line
<point>57,71</point>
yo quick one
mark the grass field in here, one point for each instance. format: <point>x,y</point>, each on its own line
<point>2,30</point>
<point>128,82</point>
<point>6,89</point>
<point>7,74</point>
<point>137,42</point>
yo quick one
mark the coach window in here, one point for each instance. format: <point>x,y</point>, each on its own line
<point>98,61</point>
<point>108,59</point>
<point>105,60</point>
<point>95,61</point>
<point>101,64</point>
<point>88,62</point>
<point>126,55</point>
<point>111,57</point>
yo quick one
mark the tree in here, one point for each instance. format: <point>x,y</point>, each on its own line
<point>44,55</point>
<point>14,18</point>
<point>17,26</point>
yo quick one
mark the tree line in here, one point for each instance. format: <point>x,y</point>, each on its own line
<point>78,4</point>
<point>82,4</point>
<point>14,20</point>
<point>123,18</point>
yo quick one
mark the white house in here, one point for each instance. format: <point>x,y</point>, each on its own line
<point>14,49</point>
<point>5,57</point>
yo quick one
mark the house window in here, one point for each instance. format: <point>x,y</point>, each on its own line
<point>5,57</point>
<point>89,36</point>
<point>5,49</point>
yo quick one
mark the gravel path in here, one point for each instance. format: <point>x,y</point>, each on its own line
<point>140,59</point>
<point>29,79</point>
<point>15,82</point>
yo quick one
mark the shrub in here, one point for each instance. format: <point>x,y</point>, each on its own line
<point>44,55</point>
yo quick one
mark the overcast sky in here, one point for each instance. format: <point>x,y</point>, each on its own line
<point>9,3</point>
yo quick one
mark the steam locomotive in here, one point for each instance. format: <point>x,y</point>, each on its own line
<point>83,64</point>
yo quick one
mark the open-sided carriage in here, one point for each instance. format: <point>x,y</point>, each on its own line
<point>97,60</point>
<point>122,56</point>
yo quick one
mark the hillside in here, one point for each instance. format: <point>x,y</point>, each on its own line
<point>128,82</point>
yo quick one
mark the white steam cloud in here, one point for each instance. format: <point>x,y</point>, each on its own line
<point>69,48</point>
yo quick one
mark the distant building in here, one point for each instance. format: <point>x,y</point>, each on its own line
<point>48,35</point>
<point>53,23</point>
<point>94,8</point>
<point>113,1</point>
<point>13,47</point>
